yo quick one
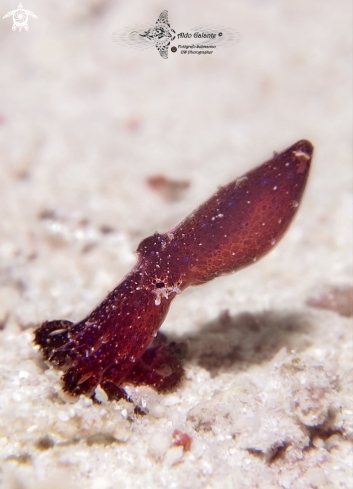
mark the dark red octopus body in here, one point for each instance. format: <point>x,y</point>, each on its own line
<point>237,226</point>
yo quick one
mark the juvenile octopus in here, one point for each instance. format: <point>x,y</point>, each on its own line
<point>235,227</point>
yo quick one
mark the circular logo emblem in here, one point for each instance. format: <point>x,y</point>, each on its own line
<point>174,49</point>
<point>20,17</point>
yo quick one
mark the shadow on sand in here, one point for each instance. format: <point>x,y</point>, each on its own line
<point>233,342</point>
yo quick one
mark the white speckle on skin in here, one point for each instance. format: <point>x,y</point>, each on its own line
<point>164,292</point>
<point>240,181</point>
<point>275,187</point>
<point>295,203</point>
<point>301,153</point>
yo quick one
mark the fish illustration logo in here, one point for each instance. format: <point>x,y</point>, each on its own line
<point>160,35</point>
<point>20,17</point>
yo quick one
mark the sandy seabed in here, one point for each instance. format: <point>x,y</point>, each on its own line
<point>84,123</point>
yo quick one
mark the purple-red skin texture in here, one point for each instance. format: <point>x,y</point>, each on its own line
<point>235,227</point>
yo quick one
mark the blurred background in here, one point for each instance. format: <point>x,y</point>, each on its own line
<point>88,125</point>
<point>102,145</point>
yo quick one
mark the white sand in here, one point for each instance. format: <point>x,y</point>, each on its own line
<point>267,397</point>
